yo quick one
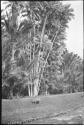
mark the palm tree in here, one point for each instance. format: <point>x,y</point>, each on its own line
<point>11,30</point>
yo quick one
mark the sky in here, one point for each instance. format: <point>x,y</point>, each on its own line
<point>74,42</point>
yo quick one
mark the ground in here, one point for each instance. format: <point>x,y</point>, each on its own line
<point>58,109</point>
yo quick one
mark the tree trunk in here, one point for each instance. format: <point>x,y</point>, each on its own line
<point>36,87</point>
<point>31,90</point>
<point>28,89</point>
<point>46,92</point>
<point>43,30</point>
<point>11,93</point>
<point>35,90</point>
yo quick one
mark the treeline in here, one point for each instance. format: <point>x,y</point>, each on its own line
<point>67,79</point>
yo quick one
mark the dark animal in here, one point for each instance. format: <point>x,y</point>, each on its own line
<point>35,101</point>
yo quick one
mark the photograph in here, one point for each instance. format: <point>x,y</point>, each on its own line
<point>42,62</point>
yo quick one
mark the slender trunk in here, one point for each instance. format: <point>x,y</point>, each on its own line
<point>36,86</point>
<point>33,58</point>
<point>46,91</point>
<point>29,89</point>
<point>36,81</point>
<point>32,90</point>
<point>35,90</point>
<point>43,30</point>
<point>33,46</point>
<point>11,93</point>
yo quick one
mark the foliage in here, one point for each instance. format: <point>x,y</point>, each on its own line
<point>67,77</point>
<point>43,26</point>
<point>73,72</point>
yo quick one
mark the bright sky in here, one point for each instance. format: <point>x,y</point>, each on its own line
<point>74,42</point>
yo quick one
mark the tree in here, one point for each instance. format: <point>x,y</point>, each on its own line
<point>11,31</point>
<point>73,72</point>
<point>33,24</point>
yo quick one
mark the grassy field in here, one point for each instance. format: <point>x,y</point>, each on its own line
<point>22,109</point>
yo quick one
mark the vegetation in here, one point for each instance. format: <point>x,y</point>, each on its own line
<point>34,56</point>
<point>69,78</point>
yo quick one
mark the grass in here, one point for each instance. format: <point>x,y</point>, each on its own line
<point>22,109</point>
